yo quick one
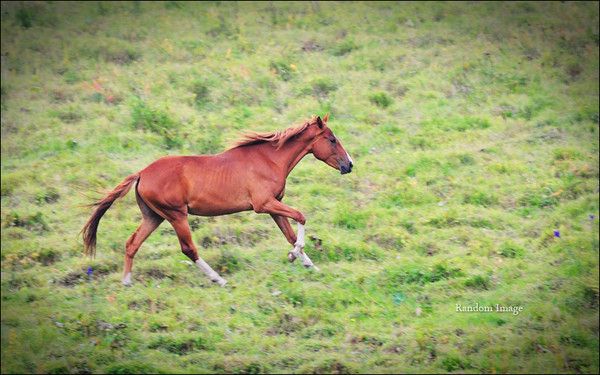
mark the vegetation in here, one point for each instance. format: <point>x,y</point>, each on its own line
<point>474,132</point>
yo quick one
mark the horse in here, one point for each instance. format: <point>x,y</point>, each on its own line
<point>250,175</point>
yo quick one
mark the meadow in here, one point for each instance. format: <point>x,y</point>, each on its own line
<point>474,132</point>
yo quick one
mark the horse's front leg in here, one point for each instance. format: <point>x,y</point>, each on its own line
<point>280,212</point>
<point>288,232</point>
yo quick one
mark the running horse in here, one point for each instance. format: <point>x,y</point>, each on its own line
<point>251,175</point>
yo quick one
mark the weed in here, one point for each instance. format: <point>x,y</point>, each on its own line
<point>201,92</point>
<point>344,47</point>
<point>453,363</point>
<point>49,196</point>
<point>422,276</point>
<point>157,121</point>
<point>179,346</point>
<point>351,218</point>
<point>25,17</point>
<point>511,250</point>
<point>478,282</point>
<point>132,367</point>
<point>381,99</point>
<point>283,69</point>
<point>322,87</point>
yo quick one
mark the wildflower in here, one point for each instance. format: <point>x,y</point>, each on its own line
<point>89,271</point>
<point>592,217</point>
<point>557,234</point>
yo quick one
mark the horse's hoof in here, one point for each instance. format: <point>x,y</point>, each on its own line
<point>291,257</point>
<point>220,281</point>
<point>127,280</point>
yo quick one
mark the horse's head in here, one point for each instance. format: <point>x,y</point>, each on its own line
<point>326,147</point>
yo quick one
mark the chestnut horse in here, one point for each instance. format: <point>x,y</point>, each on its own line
<point>249,176</point>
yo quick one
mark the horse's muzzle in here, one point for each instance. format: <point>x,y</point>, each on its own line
<point>346,168</point>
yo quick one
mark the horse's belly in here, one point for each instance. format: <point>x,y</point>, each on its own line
<point>215,207</point>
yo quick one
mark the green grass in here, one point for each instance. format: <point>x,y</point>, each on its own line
<point>474,131</point>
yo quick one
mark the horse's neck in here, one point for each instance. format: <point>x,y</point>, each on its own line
<point>288,156</point>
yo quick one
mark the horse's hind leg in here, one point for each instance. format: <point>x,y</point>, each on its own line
<point>150,221</point>
<point>182,228</point>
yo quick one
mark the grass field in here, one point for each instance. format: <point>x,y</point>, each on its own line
<point>474,131</point>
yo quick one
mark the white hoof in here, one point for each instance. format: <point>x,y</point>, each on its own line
<point>127,280</point>
<point>220,281</point>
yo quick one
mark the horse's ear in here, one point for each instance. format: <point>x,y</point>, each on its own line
<point>326,117</point>
<point>319,122</point>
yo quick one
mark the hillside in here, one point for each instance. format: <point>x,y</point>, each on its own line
<point>474,132</point>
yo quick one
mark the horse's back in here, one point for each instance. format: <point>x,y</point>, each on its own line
<point>204,184</point>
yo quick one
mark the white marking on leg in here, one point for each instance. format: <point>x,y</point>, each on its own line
<point>300,238</point>
<point>298,251</point>
<point>127,279</point>
<point>349,158</point>
<point>212,275</point>
<point>306,262</point>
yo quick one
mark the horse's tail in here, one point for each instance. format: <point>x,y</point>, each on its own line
<point>91,227</point>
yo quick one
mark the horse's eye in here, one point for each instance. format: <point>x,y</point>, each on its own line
<point>332,140</point>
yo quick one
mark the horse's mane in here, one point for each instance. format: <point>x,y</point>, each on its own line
<point>278,138</point>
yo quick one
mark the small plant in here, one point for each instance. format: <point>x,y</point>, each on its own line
<point>351,218</point>
<point>468,123</point>
<point>478,282</point>
<point>25,17</point>
<point>179,346</point>
<point>227,262</point>
<point>49,196</point>
<point>34,222</point>
<point>46,256</point>
<point>344,47</point>
<point>511,250</point>
<point>283,69</point>
<point>201,92</point>
<point>480,198</point>
<point>157,121</point>
<point>453,363</point>
<point>131,368</point>
<point>423,276</point>
<point>323,86</point>
<point>380,99</point>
